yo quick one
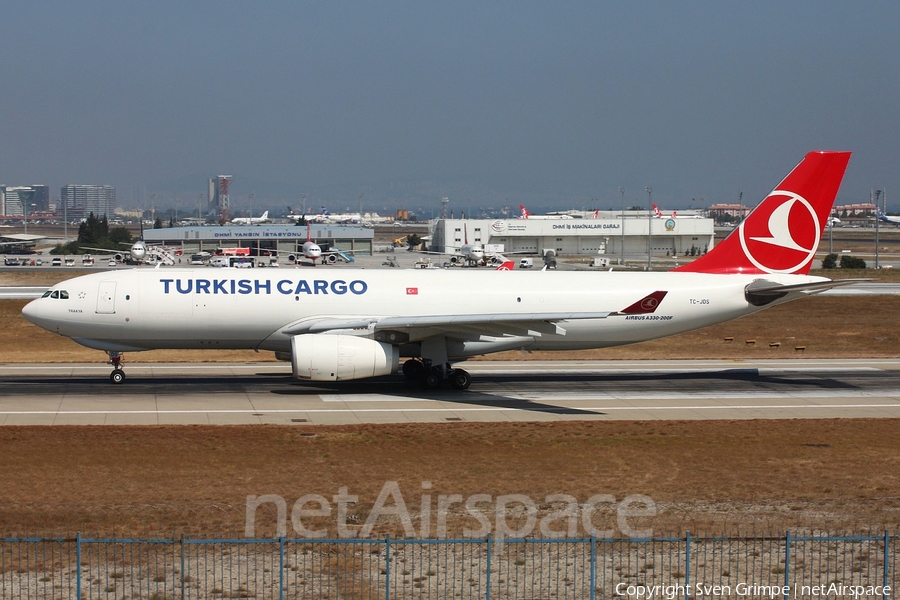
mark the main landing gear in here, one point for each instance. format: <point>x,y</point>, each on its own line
<point>432,377</point>
<point>118,375</point>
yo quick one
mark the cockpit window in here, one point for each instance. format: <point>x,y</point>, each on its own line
<point>55,294</point>
<point>46,294</point>
<point>63,294</point>
<point>58,294</point>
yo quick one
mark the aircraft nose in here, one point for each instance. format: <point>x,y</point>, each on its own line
<point>32,312</point>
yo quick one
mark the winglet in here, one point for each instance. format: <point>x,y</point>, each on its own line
<point>645,305</point>
<point>782,233</point>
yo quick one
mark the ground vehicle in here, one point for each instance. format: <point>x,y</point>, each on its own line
<point>239,262</point>
<point>526,263</point>
<point>56,262</point>
<point>11,262</point>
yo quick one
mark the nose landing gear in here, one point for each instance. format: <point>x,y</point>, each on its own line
<point>118,375</point>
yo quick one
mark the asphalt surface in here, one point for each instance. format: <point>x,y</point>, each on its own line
<point>255,393</point>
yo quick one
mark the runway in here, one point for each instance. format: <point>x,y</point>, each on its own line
<point>259,393</point>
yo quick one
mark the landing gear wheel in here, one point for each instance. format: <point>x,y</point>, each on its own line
<point>460,379</point>
<point>431,381</point>
<point>413,369</point>
<point>117,376</point>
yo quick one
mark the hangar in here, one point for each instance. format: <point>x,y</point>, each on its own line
<point>616,235</point>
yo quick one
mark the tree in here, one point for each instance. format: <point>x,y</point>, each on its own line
<point>413,240</point>
<point>157,224</point>
<point>830,261</point>
<point>95,233</point>
<point>852,262</point>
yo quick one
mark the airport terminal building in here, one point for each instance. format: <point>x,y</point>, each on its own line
<point>262,238</point>
<point>614,235</point>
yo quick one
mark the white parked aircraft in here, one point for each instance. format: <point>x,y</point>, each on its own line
<point>883,217</point>
<point>264,218</point>
<point>355,323</point>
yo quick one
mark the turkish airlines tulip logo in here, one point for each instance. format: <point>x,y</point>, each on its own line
<point>782,234</point>
<point>649,304</point>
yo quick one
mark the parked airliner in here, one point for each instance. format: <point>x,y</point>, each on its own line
<point>885,218</point>
<point>355,323</point>
<point>263,218</point>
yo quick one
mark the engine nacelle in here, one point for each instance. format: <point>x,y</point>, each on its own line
<point>341,357</point>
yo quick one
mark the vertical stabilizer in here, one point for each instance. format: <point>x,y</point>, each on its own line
<point>782,233</point>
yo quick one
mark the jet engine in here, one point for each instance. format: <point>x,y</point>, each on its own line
<point>341,357</point>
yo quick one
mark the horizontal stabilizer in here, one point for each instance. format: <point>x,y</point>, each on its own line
<point>763,291</point>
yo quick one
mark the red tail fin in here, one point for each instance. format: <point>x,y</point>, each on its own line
<point>782,233</point>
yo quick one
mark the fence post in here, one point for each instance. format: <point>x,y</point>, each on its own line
<point>687,565</point>
<point>787,565</point>
<point>280,566</point>
<point>593,566</point>
<point>78,566</point>
<point>887,541</point>
<point>183,574</point>
<point>387,567</point>
<point>487,595</point>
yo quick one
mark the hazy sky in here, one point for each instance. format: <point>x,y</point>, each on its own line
<point>489,103</point>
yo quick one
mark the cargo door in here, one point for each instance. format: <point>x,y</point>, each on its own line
<point>106,298</point>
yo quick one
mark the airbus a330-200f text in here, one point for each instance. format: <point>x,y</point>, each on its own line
<point>352,324</point>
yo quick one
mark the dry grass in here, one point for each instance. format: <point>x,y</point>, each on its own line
<point>706,476</point>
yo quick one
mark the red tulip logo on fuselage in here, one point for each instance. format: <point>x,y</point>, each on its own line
<point>649,304</point>
<point>783,233</point>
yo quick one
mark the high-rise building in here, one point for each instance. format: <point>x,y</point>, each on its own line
<point>14,200</point>
<point>41,198</point>
<point>79,201</point>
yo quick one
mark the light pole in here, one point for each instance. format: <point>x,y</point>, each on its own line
<point>877,223</point>
<point>622,219</point>
<point>649,191</point>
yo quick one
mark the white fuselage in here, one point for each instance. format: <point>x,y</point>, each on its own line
<point>142,309</point>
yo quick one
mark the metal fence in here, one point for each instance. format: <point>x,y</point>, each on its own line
<point>156,569</point>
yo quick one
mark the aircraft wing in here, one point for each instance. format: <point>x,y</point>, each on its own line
<point>106,250</point>
<point>470,325</point>
<point>417,327</point>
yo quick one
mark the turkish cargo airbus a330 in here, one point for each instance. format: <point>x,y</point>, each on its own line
<point>352,324</point>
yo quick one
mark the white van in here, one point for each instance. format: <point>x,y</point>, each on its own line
<point>526,263</point>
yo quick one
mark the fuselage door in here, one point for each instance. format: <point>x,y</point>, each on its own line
<point>106,298</point>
